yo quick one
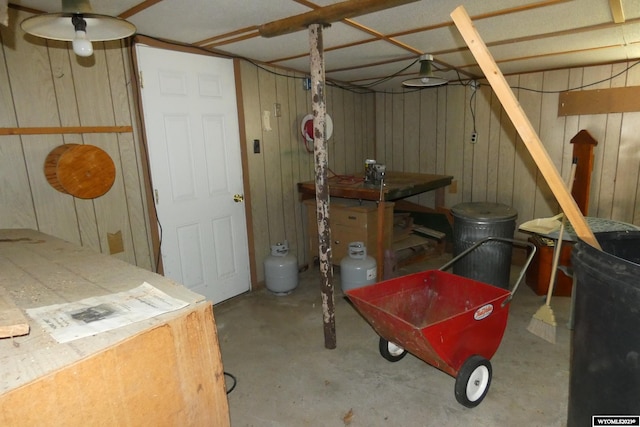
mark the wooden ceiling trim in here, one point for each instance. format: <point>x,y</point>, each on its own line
<point>138,8</point>
<point>327,15</point>
<point>508,11</point>
<point>227,36</point>
<point>537,37</point>
<point>381,36</point>
<point>617,11</point>
<point>25,9</point>
<point>546,55</point>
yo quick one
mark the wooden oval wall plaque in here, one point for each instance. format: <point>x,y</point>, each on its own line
<point>84,171</point>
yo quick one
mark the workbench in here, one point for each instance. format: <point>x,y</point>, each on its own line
<point>165,370</point>
<point>397,185</point>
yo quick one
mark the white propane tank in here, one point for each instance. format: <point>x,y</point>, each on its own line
<point>357,269</point>
<point>281,270</point>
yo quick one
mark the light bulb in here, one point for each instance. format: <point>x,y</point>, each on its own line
<point>82,45</point>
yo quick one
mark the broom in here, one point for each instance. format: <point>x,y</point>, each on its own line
<point>543,323</point>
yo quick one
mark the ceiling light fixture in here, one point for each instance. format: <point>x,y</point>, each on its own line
<point>78,25</point>
<point>426,78</point>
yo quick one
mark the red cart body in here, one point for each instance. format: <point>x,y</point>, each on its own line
<point>437,316</point>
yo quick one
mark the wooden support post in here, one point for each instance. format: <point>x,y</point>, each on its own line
<point>522,124</point>
<point>319,107</point>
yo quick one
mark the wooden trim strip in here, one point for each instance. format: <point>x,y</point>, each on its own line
<point>617,11</point>
<point>65,130</point>
<point>138,8</point>
<point>599,101</point>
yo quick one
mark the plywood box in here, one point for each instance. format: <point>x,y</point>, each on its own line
<point>165,371</point>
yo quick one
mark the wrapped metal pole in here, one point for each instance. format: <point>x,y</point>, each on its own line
<point>316,56</point>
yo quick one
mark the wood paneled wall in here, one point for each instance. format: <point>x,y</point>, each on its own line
<point>430,131</point>
<point>276,212</point>
<point>43,84</point>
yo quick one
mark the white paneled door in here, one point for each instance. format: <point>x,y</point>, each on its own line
<point>191,126</point>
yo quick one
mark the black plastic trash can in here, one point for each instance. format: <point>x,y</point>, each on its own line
<point>605,350</point>
<point>491,262</point>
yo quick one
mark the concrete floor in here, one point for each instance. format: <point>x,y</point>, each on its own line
<point>274,346</point>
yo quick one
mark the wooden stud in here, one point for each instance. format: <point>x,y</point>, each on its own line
<point>522,124</point>
<point>617,11</point>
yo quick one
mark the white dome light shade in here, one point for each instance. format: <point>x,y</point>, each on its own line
<point>58,26</point>
<point>426,78</point>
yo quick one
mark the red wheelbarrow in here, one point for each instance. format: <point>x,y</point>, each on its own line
<point>451,322</point>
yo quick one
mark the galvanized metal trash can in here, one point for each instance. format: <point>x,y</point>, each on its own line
<point>491,262</point>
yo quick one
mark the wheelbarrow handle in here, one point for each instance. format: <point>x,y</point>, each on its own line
<point>499,239</point>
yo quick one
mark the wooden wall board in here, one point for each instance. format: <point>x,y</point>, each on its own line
<point>301,104</point>
<point>341,141</point>
<point>349,117</point>
<point>428,137</point>
<point>69,95</point>
<point>596,125</point>
<point>467,150</point>
<point>395,154</point>
<point>599,101</point>
<point>495,130</point>
<point>454,148</point>
<point>355,157</point>
<point>411,133</point>
<point>256,165</point>
<point>610,150</point>
<point>481,149</point>
<point>16,204</point>
<point>13,322</point>
<point>287,163</point>
<point>551,133</point>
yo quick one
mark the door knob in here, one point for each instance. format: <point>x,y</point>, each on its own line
<point>238,198</point>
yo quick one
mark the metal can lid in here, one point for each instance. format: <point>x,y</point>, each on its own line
<point>484,211</point>
<point>369,162</point>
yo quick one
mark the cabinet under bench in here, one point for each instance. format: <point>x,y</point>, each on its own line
<point>351,220</point>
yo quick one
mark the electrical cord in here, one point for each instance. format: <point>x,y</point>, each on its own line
<point>235,381</point>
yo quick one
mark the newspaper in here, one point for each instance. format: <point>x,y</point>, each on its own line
<point>70,321</point>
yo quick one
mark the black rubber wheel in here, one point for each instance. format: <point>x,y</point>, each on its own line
<point>473,381</point>
<point>390,351</point>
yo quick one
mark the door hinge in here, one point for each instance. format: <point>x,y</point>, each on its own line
<point>156,196</point>
<point>140,81</point>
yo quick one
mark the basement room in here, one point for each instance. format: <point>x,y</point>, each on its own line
<point>319,213</point>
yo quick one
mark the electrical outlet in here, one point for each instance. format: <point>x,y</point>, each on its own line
<point>474,137</point>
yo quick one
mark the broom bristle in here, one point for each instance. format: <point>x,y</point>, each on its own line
<point>543,324</point>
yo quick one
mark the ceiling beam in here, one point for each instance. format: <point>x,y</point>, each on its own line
<point>146,4</point>
<point>327,15</point>
<point>617,11</point>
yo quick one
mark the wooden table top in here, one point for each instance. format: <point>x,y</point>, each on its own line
<point>397,185</point>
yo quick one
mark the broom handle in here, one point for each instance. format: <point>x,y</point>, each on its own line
<point>558,247</point>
